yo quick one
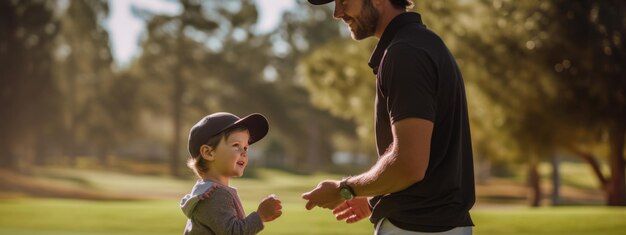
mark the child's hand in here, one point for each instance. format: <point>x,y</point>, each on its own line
<point>270,208</point>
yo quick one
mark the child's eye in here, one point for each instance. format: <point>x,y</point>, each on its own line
<point>240,148</point>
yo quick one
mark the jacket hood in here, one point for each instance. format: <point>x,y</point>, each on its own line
<point>188,202</point>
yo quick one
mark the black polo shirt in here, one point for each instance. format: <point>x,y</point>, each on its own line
<point>417,76</point>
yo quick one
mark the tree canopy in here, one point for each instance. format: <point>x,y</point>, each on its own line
<point>542,78</point>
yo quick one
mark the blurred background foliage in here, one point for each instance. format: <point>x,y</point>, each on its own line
<point>545,82</point>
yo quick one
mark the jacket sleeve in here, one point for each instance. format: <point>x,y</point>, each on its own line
<point>219,213</point>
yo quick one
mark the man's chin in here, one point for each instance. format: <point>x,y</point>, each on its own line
<point>356,35</point>
<point>359,37</point>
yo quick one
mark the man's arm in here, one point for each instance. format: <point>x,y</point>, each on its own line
<point>403,165</point>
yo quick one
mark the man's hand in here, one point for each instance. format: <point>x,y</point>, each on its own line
<point>353,210</point>
<point>325,195</point>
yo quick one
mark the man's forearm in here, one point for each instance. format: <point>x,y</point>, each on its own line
<point>388,175</point>
<point>404,165</point>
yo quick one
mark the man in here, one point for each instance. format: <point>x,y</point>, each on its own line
<point>423,181</point>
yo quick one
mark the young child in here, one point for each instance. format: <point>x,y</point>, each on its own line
<point>218,145</point>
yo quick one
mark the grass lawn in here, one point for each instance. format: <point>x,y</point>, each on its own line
<point>42,216</point>
<point>68,216</point>
<point>62,216</point>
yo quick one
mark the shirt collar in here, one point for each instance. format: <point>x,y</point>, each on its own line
<point>390,32</point>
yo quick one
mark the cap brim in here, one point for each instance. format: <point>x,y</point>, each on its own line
<point>256,124</point>
<point>319,2</point>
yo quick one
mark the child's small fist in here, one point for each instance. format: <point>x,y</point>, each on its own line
<point>270,208</point>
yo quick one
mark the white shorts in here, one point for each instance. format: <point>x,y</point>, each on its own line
<point>384,227</point>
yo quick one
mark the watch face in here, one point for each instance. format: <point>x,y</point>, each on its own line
<point>345,193</point>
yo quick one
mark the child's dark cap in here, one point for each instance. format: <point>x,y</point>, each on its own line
<point>319,2</point>
<point>216,123</point>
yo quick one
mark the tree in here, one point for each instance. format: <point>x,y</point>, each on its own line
<point>343,84</point>
<point>171,57</point>
<point>548,63</point>
<point>93,119</point>
<point>29,95</point>
<point>585,52</point>
<point>302,31</point>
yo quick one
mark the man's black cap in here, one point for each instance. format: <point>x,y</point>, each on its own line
<point>319,2</point>
<point>216,123</point>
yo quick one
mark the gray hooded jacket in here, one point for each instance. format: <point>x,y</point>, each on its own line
<point>213,208</point>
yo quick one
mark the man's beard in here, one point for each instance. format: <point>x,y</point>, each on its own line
<point>365,24</point>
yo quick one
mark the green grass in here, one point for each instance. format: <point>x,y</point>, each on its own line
<point>554,220</point>
<point>25,216</point>
<point>54,216</point>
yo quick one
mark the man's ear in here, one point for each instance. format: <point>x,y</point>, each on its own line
<point>207,152</point>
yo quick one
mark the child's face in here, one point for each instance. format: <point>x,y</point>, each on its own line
<point>231,155</point>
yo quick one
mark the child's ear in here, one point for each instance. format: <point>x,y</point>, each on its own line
<point>207,152</point>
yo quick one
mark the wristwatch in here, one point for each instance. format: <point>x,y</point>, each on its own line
<point>345,190</point>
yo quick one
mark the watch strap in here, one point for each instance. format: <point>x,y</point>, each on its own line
<point>344,184</point>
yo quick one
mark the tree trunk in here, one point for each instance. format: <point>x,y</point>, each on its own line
<point>534,194</point>
<point>616,188</point>
<point>177,107</point>
<point>595,166</point>
<point>42,152</point>
<point>7,157</point>
<point>11,62</point>
<point>70,145</point>
<point>103,156</point>
<point>177,119</point>
<point>483,171</point>
<point>313,153</point>
<point>25,151</point>
<point>556,181</point>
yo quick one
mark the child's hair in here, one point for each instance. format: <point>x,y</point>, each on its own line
<point>198,164</point>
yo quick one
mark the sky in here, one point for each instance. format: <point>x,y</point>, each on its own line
<point>125,29</point>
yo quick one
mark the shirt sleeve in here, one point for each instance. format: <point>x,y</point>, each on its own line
<point>410,81</point>
<point>219,213</point>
